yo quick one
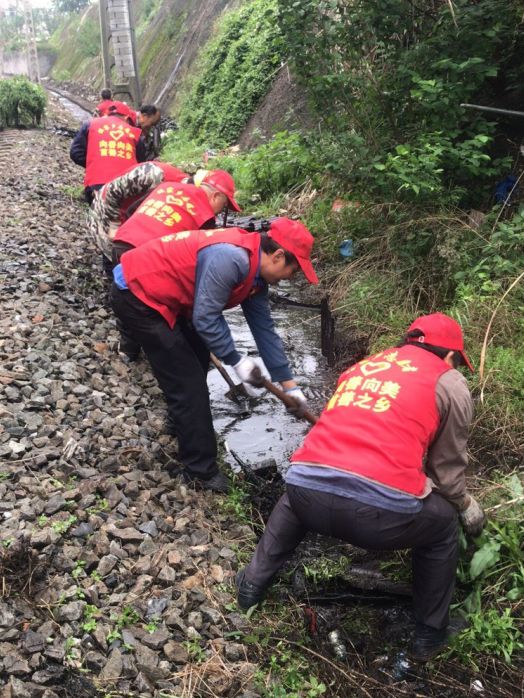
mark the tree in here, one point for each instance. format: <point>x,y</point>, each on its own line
<point>70,6</point>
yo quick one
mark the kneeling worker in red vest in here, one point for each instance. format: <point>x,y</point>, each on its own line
<point>384,469</point>
<point>170,293</point>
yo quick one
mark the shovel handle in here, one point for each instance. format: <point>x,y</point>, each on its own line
<point>225,375</point>
<point>287,400</point>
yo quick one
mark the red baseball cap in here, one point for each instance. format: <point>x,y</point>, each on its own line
<point>441,331</point>
<point>223,182</point>
<point>295,238</point>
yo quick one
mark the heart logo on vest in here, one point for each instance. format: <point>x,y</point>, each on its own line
<point>116,135</point>
<point>172,200</point>
<point>371,367</point>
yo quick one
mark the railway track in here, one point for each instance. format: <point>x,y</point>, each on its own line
<point>8,138</point>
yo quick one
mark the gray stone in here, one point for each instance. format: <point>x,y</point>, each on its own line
<point>234,652</point>
<point>127,535</point>
<point>54,504</point>
<point>113,669</point>
<point>211,614</point>
<point>195,619</point>
<point>106,564</point>
<point>40,539</point>
<point>7,618</point>
<point>15,665</point>
<point>71,611</point>
<point>52,673</point>
<point>167,574</point>
<point>146,660</point>
<point>82,530</point>
<point>157,639</point>
<point>33,642</point>
<point>176,652</point>
<point>16,447</point>
<point>150,528</point>
<point>94,661</point>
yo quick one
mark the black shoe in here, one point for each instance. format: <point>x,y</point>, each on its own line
<point>427,643</point>
<point>129,351</point>
<point>248,594</point>
<point>218,483</point>
<point>169,428</point>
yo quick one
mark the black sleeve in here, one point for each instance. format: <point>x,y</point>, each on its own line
<point>141,150</point>
<point>78,151</point>
<point>209,224</point>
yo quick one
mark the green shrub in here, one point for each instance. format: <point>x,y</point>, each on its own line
<point>21,102</point>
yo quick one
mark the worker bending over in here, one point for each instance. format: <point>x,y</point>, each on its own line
<point>169,208</point>
<point>106,146</point>
<point>170,293</point>
<point>117,200</point>
<point>384,469</point>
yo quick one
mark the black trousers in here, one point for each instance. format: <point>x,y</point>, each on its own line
<point>179,360</point>
<point>127,344</point>
<point>432,534</point>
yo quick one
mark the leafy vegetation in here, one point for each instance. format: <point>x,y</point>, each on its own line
<point>236,68</point>
<point>22,103</point>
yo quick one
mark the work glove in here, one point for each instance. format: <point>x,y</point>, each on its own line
<point>300,401</point>
<point>249,371</point>
<point>472,517</point>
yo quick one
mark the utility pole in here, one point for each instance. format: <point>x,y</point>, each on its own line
<point>117,32</point>
<point>33,67</point>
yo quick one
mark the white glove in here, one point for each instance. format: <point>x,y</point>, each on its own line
<point>300,400</point>
<point>249,371</point>
<point>472,517</point>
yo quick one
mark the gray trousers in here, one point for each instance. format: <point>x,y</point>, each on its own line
<point>432,535</point>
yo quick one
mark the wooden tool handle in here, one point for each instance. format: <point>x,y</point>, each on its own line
<point>225,375</point>
<point>288,400</point>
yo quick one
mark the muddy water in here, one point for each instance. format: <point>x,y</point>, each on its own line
<point>260,432</point>
<point>74,109</point>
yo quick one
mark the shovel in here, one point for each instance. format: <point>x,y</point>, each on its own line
<point>237,393</point>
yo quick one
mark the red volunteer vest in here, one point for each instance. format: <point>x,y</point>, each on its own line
<point>162,272</point>
<point>171,174</point>
<point>111,149</point>
<point>381,419</point>
<point>169,208</point>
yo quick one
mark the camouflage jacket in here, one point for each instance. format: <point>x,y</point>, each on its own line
<point>106,209</point>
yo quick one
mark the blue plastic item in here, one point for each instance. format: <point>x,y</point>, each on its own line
<point>504,189</point>
<point>346,248</point>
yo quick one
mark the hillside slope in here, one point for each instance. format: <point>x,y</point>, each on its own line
<point>170,35</point>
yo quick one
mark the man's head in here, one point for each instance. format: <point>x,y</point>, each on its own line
<point>286,249</point>
<point>441,335</point>
<point>220,189</point>
<point>106,93</point>
<point>148,116</point>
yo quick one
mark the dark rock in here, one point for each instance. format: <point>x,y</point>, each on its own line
<point>54,504</point>
<point>82,530</point>
<point>176,652</point>
<point>127,535</point>
<point>106,564</point>
<point>157,639</point>
<point>71,611</point>
<point>15,665</point>
<point>33,642</point>
<point>113,668</point>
